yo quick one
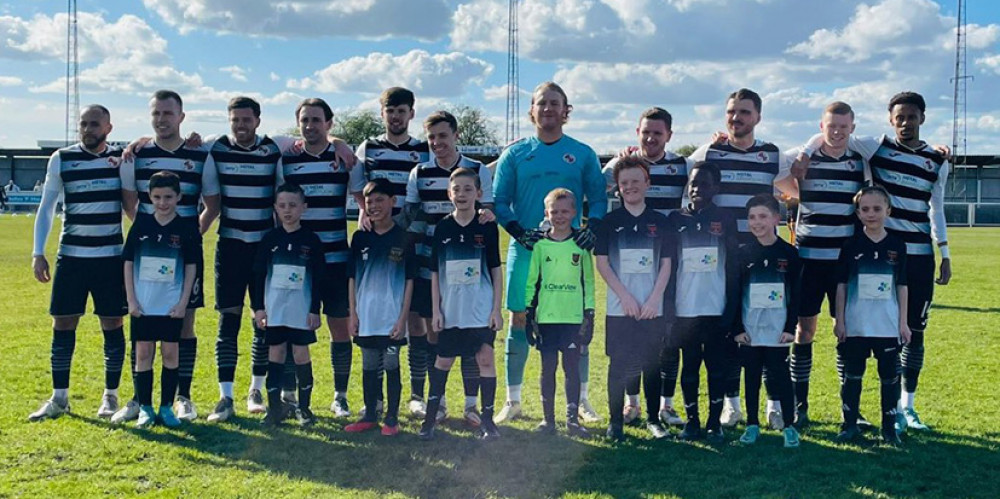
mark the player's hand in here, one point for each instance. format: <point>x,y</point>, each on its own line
<point>840,331</point>
<point>297,147</point>
<point>134,309</point>
<point>398,329</point>
<point>133,147</point>
<point>496,320</point>
<point>352,324</point>
<point>437,322</point>
<point>344,154</point>
<point>719,137</point>
<point>260,319</point>
<point>742,339</point>
<point>531,327</point>
<point>364,223</point>
<point>800,166</point>
<point>177,311</point>
<point>314,322</point>
<point>905,335</point>
<point>587,328</point>
<point>193,141</point>
<point>943,150</point>
<point>786,338</point>
<point>40,266</point>
<point>629,306</point>
<point>628,151</point>
<point>650,308</point>
<point>944,273</point>
<point>585,238</point>
<point>486,216</point>
<point>526,238</point>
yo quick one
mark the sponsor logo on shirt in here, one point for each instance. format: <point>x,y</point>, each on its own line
<point>75,164</point>
<point>709,259</point>
<point>295,277</point>
<point>895,154</point>
<point>569,158</point>
<point>560,287</point>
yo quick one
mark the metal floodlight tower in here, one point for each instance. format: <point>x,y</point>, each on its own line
<point>513,126</point>
<point>72,74</point>
<point>960,80</point>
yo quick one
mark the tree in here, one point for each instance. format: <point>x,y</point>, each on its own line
<point>474,127</point>
<point>685,150</point>
<point>354,128</point>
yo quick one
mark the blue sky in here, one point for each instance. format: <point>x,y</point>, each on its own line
<point>614,57</point>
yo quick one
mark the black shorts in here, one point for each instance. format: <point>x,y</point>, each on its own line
<point>234,260</point>
<point>280,334</point>
<point>630,338</point>
<point>456,342</point>
<point>696,331</point>
<point>920,289</point>
<point>558,337</point>
<point>420,303</point>
<point>335,299</point>
<point>156,328</point>
<point>379,342</point>
<point>819,281</point>
<point>101,278</point>
<point>856,348</point>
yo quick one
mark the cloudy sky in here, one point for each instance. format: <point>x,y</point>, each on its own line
<point>614,57</point>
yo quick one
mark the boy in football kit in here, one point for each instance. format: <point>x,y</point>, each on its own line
<point>705,291</point>
<point>382,267</point>
<point>769,284</point>
<point>633,256</point>
<point>161,255</point>
<point>871,313</point>
<point>559,295</point>
<point>288,276</point>
<point>466,294</point>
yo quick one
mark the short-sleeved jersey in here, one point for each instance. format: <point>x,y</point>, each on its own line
<point>635,246</point>
<point>246,178</point>
<point>826,218</point>
<point>90,185</point>
<point>872,271</point>
<point>667,178</point>
<point>324,181</point>
<point>462,257</point>
<point>195,168</point>
<point>560,283</point>
<point>380,265</point>
<point>745,173</point>
<point>380,158</point>
<point>910,176</point>
<point>769,284</point>
<point>529,169</point>
<point>158,254</point>
<point>428,187</point>
<point>288,272</point>
<point>706,275</point>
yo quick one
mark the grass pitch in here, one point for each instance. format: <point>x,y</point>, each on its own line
<point>80,455</point>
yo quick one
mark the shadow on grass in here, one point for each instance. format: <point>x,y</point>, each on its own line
<point>981,310</point>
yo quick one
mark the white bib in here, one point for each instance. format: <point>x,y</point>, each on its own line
<point>462,272</point>
<point>875,286</point>
<point>157,269</point>
<point>314,190</point>
<point>701,259</point>
<point>636,261</point>
<point>288,276</point>
<point>767,295</point>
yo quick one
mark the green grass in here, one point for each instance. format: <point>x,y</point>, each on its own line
<point>80,455</point>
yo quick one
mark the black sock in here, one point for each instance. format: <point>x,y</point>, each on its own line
<point>393,389</point>
<point>488,391</point>
<point>63,344</point>
<point>305,373</point>
<point>227,346</point>
<point>275,371</point>
<point>144,387</point>
<point>800,368</point>
<point>187,350</point>
<point>131,367</point>
<point>372,389</point>
<point>288,381</point>
<point>470,376</point>
<point>419,360</point>
<point>259,351</point>
<point>340,357</point>
<point>670,362</point>
<point>438,381</point>
<point>168,386</point>
<point>114,357</point>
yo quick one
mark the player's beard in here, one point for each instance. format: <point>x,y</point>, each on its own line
<point>93,141</point>
<point>398,129</point>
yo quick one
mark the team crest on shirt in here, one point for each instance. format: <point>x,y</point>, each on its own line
<point>188,165</point>
<point>175,241</point>
<point>782,265</point>
<point>576,259</point>
<point>762,157</point>
<point>893,256</point>
<point>414,156</point>
<point>671,169</point>
<point>929,165</point>
<point>479,241</point>
<point>651,230</point>
<point>396,255</point>
<point>304,252</point>
<point>851,165</point>
<point>715,228</point>
<point>569,158</point>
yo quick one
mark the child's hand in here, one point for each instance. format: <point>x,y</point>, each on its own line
<point>364,223</point>
<point>398,330</point>
<point>496,320</point>
<point>649,309</point>
<point>840,331</point>
<point>786,338</point>
<point>742,339</point>
<point>134,309</point>
<point>437,322</point>
<point>260,318</point>
<point>630,306</point>
<point>587,328</point>
<point>314,322</point>
<point>486,216</point>
<point>352,324</point>
<point>177,311</point>
<point>904,332</point>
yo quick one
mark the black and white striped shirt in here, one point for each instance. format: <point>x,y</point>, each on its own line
<point>195,167</point>
<point>380,158</point>
<point>667,178</point>
<point>324,181</point>
<point>247,177</point>
<point>826,217</point>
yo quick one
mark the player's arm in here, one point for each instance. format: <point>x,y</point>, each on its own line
<point>257,285</point>
<point>412,216</point>
<point>410,261</point>
<point>44,217</point>
<point>178,310</point>
<point>133,304</point>
<point>629,304</point>
<point>130,194</point>
<point>504,189</point>
<point>785,181</point>
<point>596,188</point>
<point>494,263</point>
<point>652,305</point>
<point>699,154</point>
<point>357,180</point>
<point>939,226</point>
<point>840,310</point>
<point>589,302</point>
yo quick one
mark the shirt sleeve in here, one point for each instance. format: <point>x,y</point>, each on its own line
<point>210,178</point>
<point>279,173</point>
<point>699,154</point>
<point>359,174</point>
<point>192,247</point>
<point>530,285</point>
<point>47,206</point>
<point>126,171</point>
<point>486,184</point>
<point>939,226</point>
<point>588,281</point>
<point>435,242</point>
<point>603,239</point>
<point>785,160</point>
<point>595,186</point>
<point>865,146</point>
<point>128,250</point>
<point>412,191</point>
<point>844,264</point>
<point>412,267</point>
<point>901,273</point>
<point>504,187</point>
<point>609,174</point>
<point>283,142</point>
<point>493,246</point>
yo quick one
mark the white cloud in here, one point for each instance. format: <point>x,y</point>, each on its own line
<point>274,76</point>
<point>430,75</point>
<point>10,81</point>
<point>424,19</point>
<point>989,63</point>
<point>45,37</point>
<point>235,72</point>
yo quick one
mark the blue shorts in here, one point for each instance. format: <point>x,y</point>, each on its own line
<point>518,264</point>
